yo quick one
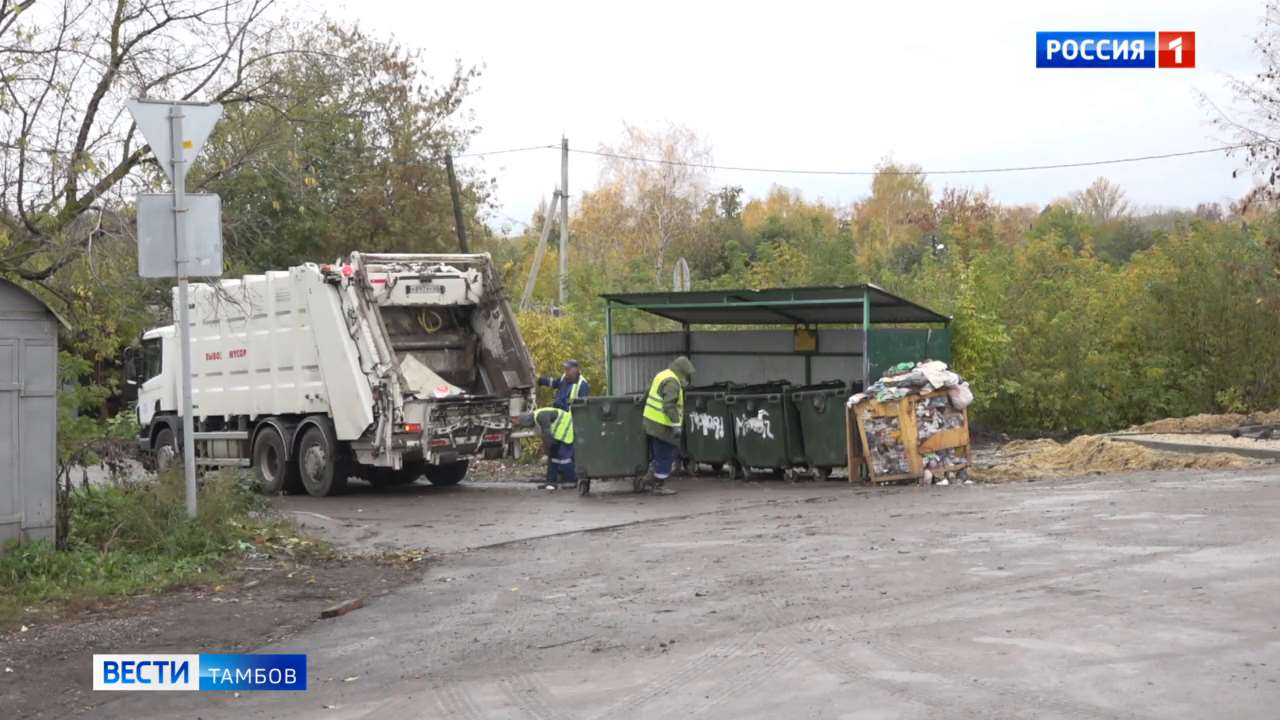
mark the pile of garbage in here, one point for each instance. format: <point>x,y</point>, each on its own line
<point>888,452</point>
<point>888,455</point>
<point>910,378</point>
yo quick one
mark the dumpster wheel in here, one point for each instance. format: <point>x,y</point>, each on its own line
<point>584,486</point>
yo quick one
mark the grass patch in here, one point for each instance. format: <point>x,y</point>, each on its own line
<point>136,538</point>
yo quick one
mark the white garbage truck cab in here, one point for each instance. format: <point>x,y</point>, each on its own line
<point>387,367</point>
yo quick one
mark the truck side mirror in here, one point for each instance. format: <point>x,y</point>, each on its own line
<point>132,366</point>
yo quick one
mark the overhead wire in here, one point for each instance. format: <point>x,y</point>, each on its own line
<point>508,150</point>
<point>901,171</point>
<point>884,171</point>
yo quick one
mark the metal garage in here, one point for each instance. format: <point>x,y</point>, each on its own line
<point>28,415</point>
<point>851,334</point>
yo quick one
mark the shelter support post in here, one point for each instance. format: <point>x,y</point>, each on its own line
<point>866,339</point>
<point>608,345</point>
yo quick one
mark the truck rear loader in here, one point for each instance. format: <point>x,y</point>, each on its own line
<point>387,367</point>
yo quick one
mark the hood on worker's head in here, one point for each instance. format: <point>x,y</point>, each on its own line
<point>684,368</point>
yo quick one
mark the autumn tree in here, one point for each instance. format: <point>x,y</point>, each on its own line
<point>662,179</point>
<point>1102,202</point>
<point>69,153</point>
<point>348,154</point>
<point>899,210</point>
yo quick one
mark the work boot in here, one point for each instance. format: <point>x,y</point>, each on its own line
<point>660,488</point>
<point>644,484</point>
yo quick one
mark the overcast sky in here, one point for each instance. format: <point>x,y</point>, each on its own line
<point>837,85</point>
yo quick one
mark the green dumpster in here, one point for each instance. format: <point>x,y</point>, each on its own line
<point>766,428</point>
<point>822,423</point>
<point>708,428</point>
<point>609,439</point>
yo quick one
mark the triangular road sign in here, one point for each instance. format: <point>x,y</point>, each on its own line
<point>153,120</point>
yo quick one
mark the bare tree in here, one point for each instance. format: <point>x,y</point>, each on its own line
<point>661,178</point>
<point>68,150</point>
<point>1102,202</point>
<point>1258,128</point>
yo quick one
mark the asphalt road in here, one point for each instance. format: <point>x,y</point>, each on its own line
<point>1133,596</point>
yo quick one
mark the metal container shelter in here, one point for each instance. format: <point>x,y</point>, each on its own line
<point>851,334</point>
<point>28,415</point>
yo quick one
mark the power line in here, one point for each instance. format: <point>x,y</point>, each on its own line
<point>793,171</point>
<point>508,150</point>
<point>975,171</point>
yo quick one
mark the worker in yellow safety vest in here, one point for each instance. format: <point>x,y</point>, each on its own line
<point>556,428</point>
<point>664,423</point>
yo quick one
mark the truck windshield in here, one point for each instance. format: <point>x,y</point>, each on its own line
<point>152,358</point>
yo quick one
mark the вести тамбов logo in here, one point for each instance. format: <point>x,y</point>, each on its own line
<point>207,672</point>
<point>1116,49</point>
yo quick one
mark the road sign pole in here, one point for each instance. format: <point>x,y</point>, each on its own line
<point>178,130</point>
<point>182,253</point>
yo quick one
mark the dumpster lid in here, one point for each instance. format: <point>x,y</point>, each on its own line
<point>766,388</point>
<point>803,306</point>
<point>830,386</point>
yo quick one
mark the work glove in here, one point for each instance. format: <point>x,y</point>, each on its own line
<point>679,431</point>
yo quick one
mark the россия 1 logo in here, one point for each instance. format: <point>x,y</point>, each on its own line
<point>200,672</point>
<point>1120,49</point>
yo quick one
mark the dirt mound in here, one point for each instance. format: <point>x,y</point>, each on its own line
<point>1208,423</point>
<point>1093,454</point>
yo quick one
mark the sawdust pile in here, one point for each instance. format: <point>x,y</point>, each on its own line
<point>1090,455</point>
<point>1208,423</point>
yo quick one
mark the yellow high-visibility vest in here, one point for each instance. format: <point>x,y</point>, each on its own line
<point>561,427</point>
<point>653,404</point>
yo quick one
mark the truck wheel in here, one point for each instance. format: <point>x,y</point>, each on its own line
<point>323,471</point>
<point>165,449</point>
<point>450,474</point>
<point>276,474</point>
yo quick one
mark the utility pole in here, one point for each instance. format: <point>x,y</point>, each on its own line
<point>564,221</point>
<point>539,252</point>
<point>454,193</point>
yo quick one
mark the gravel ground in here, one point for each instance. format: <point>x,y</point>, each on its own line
<point>1140,595</point>
<point>1220,440</point>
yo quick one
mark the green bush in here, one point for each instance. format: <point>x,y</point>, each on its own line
<point>552,340</point>
<point>135,538</point>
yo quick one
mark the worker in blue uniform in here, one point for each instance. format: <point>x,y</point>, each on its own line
<point>569,386</point>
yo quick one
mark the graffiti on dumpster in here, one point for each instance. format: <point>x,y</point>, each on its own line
<point>707,425</point>
<point>758,425</point>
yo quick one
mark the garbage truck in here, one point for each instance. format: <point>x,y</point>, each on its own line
<point>386,367</point>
